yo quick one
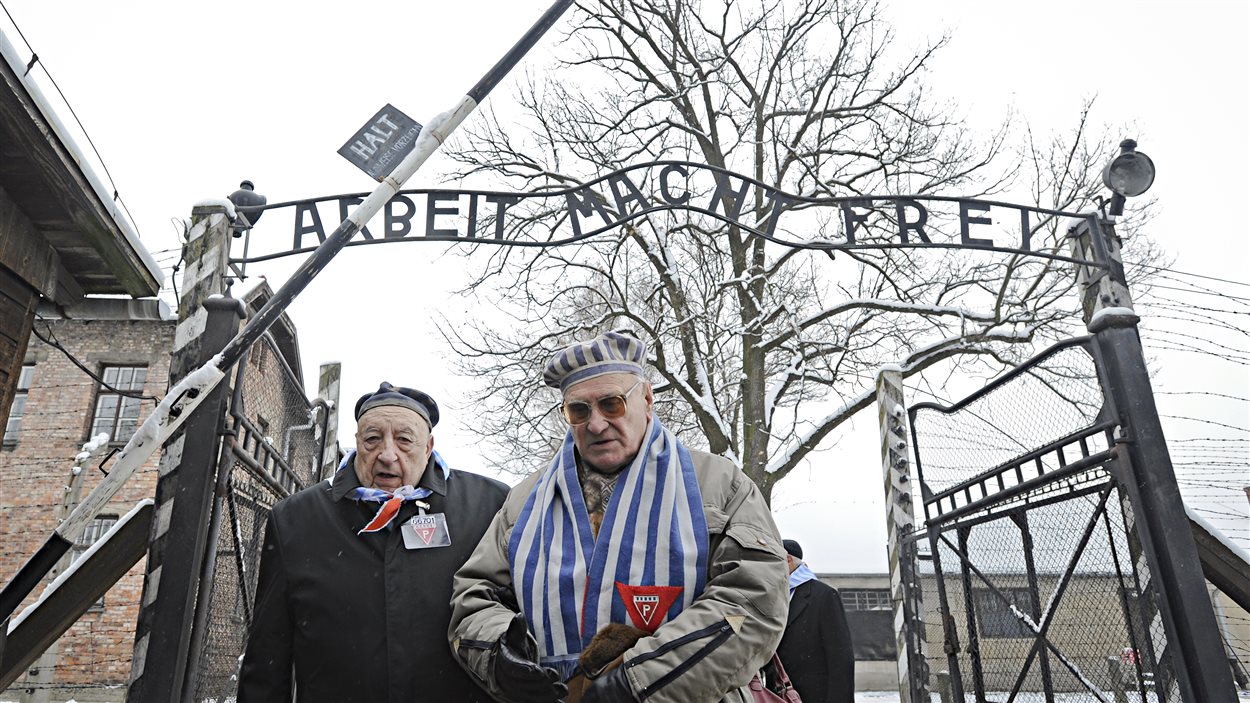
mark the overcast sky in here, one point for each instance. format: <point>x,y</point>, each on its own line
<point>184,101</point>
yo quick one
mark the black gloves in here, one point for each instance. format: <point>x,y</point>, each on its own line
<point>612,687</point>
<point>518,674</point>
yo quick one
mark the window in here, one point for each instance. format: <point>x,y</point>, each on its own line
<point>995,618</point>
<point>18,408</point>
<point>118,414</point>
<point>866,599</point>
<point>257,357</point>
<point>95,530</point>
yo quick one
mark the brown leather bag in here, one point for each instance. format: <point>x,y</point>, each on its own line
<point>785,692</point>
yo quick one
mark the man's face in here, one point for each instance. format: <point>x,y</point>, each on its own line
<point>608,444</point>
<point>393,445</point>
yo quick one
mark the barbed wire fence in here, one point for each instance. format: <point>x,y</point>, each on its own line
<point>1202,324</point>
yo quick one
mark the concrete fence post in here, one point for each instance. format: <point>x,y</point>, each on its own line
<point>913,674</point>
<point>184,489</point>
<point>328,390</point>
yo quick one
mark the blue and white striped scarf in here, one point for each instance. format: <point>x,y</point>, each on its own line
<point>653,534</point>
<point>387,511</point>
<point>800,576</point>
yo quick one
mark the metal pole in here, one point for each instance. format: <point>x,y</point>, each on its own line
<point>1035,596</point>
<point>970,616</point>
<point>1193,643</point>
<point>950,634</point>
<point>204,594</point>
<point>188,394</point>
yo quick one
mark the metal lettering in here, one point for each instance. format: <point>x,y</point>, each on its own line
<point>632,194</point>
<point>432,211</point>
<point>893,221</point>
<point>396,226</point>
<point>900,210</point>
<point>780,202</point>
<point>301,229</point>
<point>591,204</point>
<point>665,192</point>
<point>965,207</point>
<point>502,203</point>
<point>850,217</point>
<point>725,192</point>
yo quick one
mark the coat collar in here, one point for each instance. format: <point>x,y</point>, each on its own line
<point>346,479</point>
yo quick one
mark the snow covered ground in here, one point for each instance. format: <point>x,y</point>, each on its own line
<point>892,697</point>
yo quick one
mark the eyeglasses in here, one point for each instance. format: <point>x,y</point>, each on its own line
<point>611,407</point>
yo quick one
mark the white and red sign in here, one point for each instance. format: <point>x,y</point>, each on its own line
<point>647,606</point>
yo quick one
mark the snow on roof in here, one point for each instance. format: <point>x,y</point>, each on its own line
<point>83,159</point>
<point>1222,538</point>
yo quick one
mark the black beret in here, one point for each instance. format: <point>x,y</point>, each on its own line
<point>411,398</point>
<point>792,548</point>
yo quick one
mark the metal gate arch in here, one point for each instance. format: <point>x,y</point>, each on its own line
<point>1126,466</point>
<point>1113,464</point>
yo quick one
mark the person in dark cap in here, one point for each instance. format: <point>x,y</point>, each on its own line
<point>816,649</point>
<point>352,598</point>
<point>630,568</point>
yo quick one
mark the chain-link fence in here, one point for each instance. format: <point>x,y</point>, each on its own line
<point>1034,587</point>
<point>275,450</point>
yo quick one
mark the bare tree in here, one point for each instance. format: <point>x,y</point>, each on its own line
<point>760,351</point>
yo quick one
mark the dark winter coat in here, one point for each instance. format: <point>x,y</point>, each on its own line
<point>359,617</point>
<point>816,647</point>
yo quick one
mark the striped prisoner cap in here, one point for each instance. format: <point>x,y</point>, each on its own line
<point>610,352</point>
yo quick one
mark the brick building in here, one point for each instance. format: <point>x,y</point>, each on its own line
<point>59,406</point>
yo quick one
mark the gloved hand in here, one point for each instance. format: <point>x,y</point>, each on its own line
<point>517,672</point>
<point>612,687</point>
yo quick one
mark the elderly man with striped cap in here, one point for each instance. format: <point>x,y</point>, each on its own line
<point>631,568</point>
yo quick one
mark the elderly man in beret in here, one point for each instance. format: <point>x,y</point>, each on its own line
<point>631,568</point>
<point>352,599</point>
<point>816,650</point>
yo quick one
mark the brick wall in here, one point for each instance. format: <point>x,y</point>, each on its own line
<point>35,471</point>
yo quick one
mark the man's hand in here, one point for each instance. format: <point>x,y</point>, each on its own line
<point>517,672</point>
<point>612,687</point>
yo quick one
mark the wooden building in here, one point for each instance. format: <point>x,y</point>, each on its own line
<point>62,235</point>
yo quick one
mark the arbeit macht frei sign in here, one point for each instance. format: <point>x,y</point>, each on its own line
<point>555,217</point>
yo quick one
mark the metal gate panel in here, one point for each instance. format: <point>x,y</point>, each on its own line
<point>1042,591</point>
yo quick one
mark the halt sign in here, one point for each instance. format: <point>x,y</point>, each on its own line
<point>384,141</point>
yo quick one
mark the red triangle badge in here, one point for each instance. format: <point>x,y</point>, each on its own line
<point>424,526</point>
<point>647,605</point>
